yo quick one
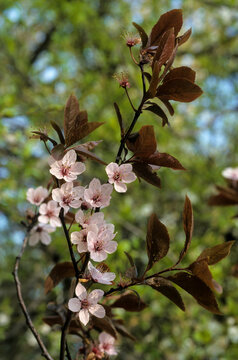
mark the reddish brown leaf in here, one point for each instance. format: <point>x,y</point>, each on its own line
<point>56,127</point>
<point>71,119</point>
<point>182,72</point>
<point>42,136</point>
<point>156,109</point>
<point>143,35</point>
<point>80,149</point>
<point>165,48</point>
<point>168,106</point>
<point>198,289</point>
<point>171,19</point>
<point>179,89</point>
<point>187,225</point>
<point>104,324</point>
<point>216,253</point>
<point>201,270</point>
<point>145,144</point>
<point>144,171</point>
<point>165,160</point>
<point>157,240</point>
<point>69,218</point>
<point>183,38</point>
<point>119,118</point>
<point>221,200</point>
<point>154,81</point>
<point>87,128</point>
<point>165,287</point>
<point>59,272</point>
<point>129,302</point>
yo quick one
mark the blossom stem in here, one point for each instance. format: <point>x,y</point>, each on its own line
<point>132,56</point>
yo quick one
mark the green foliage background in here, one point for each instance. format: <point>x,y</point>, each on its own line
<point>83,51</point>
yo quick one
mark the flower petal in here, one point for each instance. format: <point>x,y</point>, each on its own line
<point>97,310</point>
<point>84,316</point>
<point>80,291</point>
<point>74,304</point>
<point>95,296</point>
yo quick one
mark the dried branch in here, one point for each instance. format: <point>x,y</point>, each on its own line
<point>23,306</point>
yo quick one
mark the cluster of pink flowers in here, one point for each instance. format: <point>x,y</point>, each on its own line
<point>95,235</point>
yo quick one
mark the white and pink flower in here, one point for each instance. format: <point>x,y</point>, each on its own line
<point>100,244</point>
<point>40,233</point>
<point>106,344</point>
<point>36,196</point>
<point>85,304</point>
<point>86,219</point>
<point>100,277</point>
<point>120,175</point>
<point>79,238</point>
<point>98,195</point>
<point>49,213</point>
<point>67,168</point>
<point>68,196</point>
<point>230,173</point>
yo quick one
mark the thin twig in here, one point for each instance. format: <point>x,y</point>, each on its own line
<point>22,303</point>
<point>127,94</point>
<point>68,352</point>
<point>63,334</point>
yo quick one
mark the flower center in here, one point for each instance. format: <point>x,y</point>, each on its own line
<point>98,246</point>
<point>96,198</point>
<point>39,229</point>
<point>65,170</point>
<point>67,199</point>
<point>50,213</point>
<point>116,176</point>
<point>84,304</point>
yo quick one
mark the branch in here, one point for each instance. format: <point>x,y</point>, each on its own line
<point>61,216</point>
<point>23,306</point>
<point>136,116</point>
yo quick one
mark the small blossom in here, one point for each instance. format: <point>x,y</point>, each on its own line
<point>86,219</point>
<point>67,168</point>
<point>122,78</point>
<point>36,196</point>
<point>40,232</point>
<point>100,244</point>
<point>102,278</point>
<point>50,213</point>
<point>68,196</point>
<point>79,238</point>
<point>85,304</point>
<point>131,40</point>
<point>106,344</point>
<point>98,195</point>
<point>120,175</point>
<point>230,173</point>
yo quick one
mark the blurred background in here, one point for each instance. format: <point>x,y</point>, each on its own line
<point>50,49</point>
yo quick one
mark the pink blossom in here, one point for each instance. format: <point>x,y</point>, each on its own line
<point>50,213</point>
<point>98,195</point>
<point>120,175</point>
<point>68,196</point>
<point>79,238</point>
<point>106,344</point>
<point>67,168</point>
<point>230,173</point>
<point>100,244</point>
<point>36,196</point>
<point>102,278</point>
<point>86,219</point>
<point>40,232</point>
<point>86,304</point>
